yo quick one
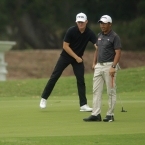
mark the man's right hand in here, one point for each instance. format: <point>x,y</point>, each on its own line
<point>93,66</point>
<point>79,59</point>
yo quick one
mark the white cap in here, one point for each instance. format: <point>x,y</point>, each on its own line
<point>81,17</point>
<point>105,19</point>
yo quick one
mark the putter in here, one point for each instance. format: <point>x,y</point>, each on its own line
<point>122,110</point>
<point>112,80</point>
<point>121,105</point>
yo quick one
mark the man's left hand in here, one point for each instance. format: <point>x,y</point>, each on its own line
<point>112,72</point>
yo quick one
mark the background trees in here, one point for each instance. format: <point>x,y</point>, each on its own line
<point>42,24</point>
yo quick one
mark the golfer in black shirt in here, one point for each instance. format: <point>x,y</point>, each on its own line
<point>74,44</point>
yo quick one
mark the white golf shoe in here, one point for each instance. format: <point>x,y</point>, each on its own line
<point>43,103</point>
<point>85,108</point>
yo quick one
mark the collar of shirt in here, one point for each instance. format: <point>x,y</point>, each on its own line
<point>84,31</point>
<point>107,33</point>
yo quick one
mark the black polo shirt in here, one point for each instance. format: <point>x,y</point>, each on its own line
<point>78,41</point>
<point>107,44</point>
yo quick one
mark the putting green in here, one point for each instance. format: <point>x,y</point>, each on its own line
<point>22,117</point>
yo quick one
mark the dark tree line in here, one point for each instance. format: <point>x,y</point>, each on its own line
<point>41,24</point>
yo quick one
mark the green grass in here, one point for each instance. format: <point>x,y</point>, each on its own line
<point>61,123</point>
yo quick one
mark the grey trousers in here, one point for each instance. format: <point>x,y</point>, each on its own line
<point>101,76</point>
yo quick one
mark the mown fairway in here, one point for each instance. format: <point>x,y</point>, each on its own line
<point>22,122</point>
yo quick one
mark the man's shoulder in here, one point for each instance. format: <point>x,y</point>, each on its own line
<point>72,28</point>
<point>89,30</point>
<point>114,33</point>
<point>115,36</point>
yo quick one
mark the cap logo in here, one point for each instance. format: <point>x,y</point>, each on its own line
<point>104,17</point>
<point>80,16</point>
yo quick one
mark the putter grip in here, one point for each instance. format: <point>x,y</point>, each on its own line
<point>112,82</point>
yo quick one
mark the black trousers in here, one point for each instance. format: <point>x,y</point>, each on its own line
<point>78,69</point>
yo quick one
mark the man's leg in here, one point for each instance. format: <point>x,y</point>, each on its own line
<point>78,69</point>
<point>111,90</point>
<point>98,83</point>
<point>62,63</point>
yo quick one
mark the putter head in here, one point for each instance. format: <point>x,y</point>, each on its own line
<point>123,110</point>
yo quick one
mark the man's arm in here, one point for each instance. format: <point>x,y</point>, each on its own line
<point>117,57</point>
<point>95,56</point>
<point>71,53</point>
<point>116,60</point>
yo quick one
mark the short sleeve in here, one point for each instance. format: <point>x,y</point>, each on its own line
<point>67,37</point>
<point>93,38</point>
<point>117,42</point>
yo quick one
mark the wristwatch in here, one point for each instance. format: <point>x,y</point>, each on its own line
<point>113,66</point>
